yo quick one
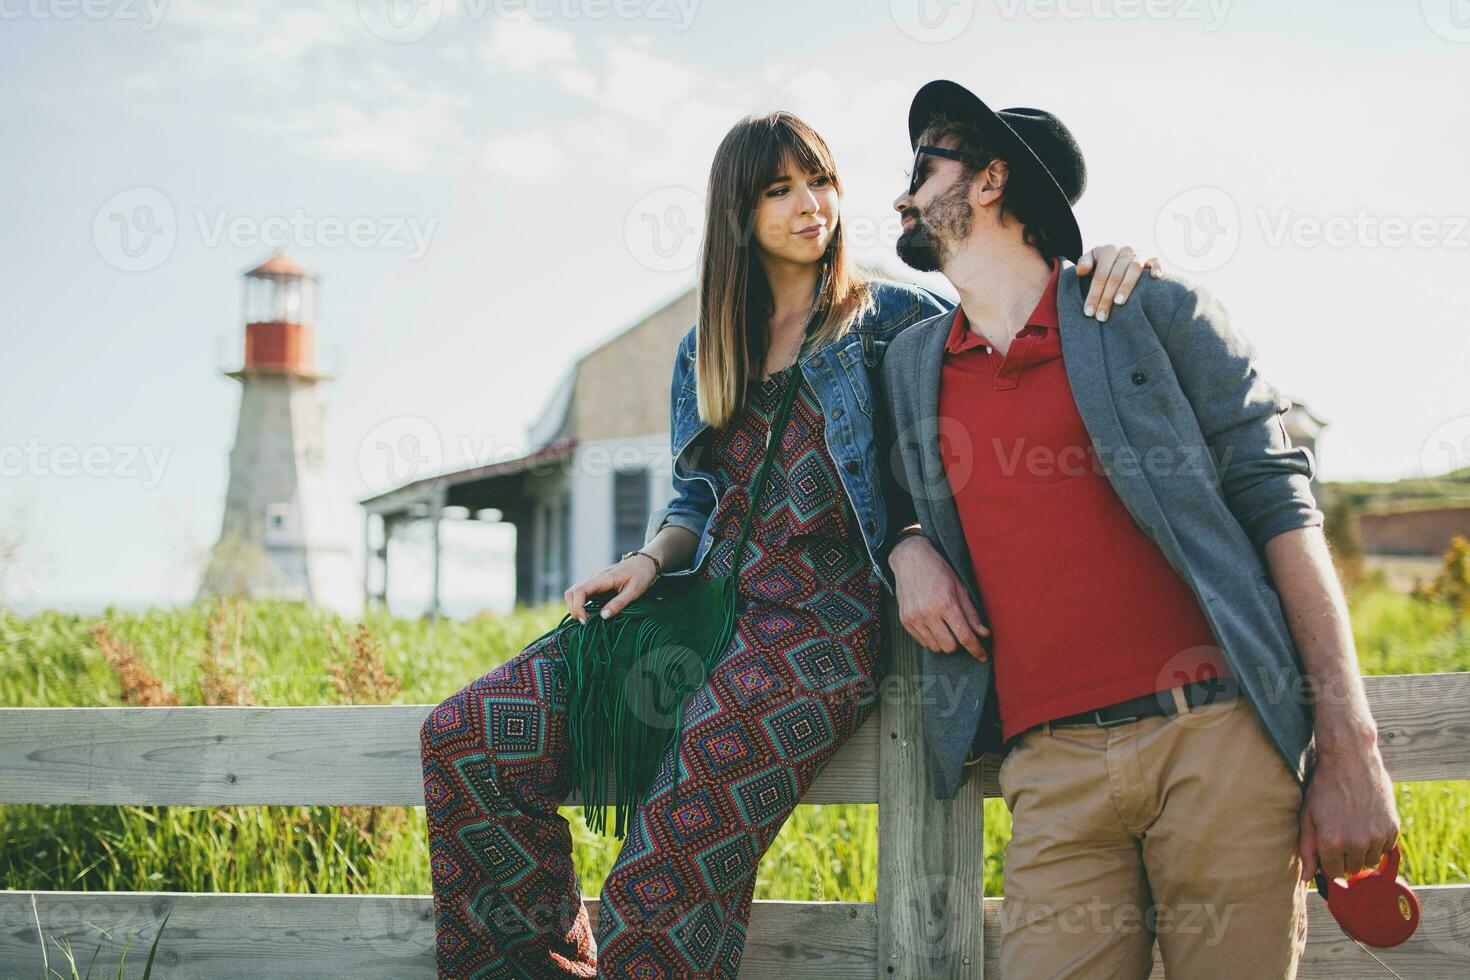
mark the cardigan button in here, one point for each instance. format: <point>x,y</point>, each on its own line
<point>1139,377</point>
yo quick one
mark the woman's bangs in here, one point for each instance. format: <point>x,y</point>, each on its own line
<point>790,146</point>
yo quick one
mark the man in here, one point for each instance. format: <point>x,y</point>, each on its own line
<point>1115,564</point>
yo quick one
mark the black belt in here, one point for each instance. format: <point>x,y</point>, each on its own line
<point>1196,693</point>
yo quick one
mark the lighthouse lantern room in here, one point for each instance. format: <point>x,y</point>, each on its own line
<point>280,317</point>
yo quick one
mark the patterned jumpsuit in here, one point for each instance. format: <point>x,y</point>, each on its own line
<point>797,679</point>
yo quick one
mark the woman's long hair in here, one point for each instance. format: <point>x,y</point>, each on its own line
<point>735,300</point>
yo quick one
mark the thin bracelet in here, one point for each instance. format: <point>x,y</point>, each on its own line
<point>658,566</point>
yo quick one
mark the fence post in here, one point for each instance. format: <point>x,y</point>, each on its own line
<point>930,852</point>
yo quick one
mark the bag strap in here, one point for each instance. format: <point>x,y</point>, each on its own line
<point>774,434</point>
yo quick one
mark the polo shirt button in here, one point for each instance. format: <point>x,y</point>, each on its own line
<point>1139,377</point>
<point>837,413</point>
<point>852,465</point>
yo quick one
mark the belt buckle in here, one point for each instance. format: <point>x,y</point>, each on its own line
<point>1098,719</point>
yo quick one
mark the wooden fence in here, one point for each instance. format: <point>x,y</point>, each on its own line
<point>930,919</point>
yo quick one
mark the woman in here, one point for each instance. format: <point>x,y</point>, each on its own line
<point>778,293</point>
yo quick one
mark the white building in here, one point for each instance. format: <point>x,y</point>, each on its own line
<point>583,496</point>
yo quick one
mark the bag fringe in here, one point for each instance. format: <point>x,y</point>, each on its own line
<point>616,721</point>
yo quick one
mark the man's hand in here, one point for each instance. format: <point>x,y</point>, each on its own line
<point>1118,271</point>
<point>932,602</point>
<point>1348,817</point>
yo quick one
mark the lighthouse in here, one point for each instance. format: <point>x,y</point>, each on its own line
<point>282,535</point>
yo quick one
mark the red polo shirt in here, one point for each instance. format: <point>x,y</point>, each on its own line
<point>1084,608</point>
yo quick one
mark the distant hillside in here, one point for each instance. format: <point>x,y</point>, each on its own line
<point>1417,493</point>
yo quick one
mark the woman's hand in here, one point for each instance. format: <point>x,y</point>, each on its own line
<point>1118,270</point>
<point>629,578</point>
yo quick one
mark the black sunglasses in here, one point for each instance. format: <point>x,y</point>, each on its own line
<point>937,151</point>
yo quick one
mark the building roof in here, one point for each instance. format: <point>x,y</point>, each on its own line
<point>280,266</point>
<point>420,488</point>
<point>553,417</point>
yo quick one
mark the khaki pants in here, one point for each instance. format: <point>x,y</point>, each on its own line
<point>1181,828</point>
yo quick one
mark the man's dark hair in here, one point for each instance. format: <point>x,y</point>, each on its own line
<point>1023,191</point>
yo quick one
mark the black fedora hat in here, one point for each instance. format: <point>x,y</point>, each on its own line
<point>1029,140</point>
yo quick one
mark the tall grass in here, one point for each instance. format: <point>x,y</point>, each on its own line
<point>280,653</point>
<point>63,946</point>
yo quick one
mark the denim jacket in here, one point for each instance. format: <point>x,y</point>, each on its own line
<point>844,376</point>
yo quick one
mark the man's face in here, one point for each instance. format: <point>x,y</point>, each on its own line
<point>938,215</point>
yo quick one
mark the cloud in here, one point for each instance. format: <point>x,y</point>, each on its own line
<point>578,81</point>
<point>520,44</point>
<point>529,156</point>
<point>637,84</point>
<point>422,136</point>
<point>242,35</point>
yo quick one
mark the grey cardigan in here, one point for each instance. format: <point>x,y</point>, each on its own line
<point>1192,440</point>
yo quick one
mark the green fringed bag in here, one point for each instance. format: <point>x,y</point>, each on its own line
<point>628,674</point>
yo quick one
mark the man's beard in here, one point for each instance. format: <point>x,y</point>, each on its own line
<point>925,245</point>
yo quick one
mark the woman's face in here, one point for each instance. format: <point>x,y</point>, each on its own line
<point>796,215</point>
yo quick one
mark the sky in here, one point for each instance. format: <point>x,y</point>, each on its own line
<point>487,188</point>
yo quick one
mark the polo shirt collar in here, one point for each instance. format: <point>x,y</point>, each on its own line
<point>1044,316</point>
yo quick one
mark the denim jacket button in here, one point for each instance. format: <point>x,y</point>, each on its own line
<point>817,361</point>
<point>852,465</point>
<point>837,413</point>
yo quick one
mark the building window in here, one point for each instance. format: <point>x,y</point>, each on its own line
<point>548,550</point>
<point>566,541</point>
<point>630,510</point>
